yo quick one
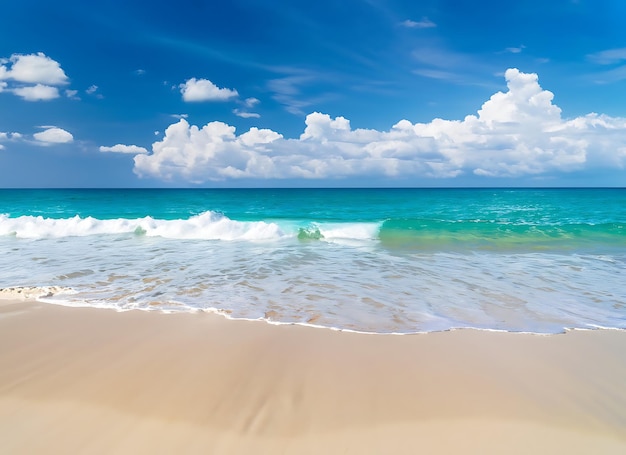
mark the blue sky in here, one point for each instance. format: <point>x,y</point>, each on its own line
<point>286,93</point>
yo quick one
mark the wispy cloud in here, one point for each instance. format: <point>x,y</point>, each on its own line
<point>424,23</point>
<point>244,114</point>
<point>437,62</point>
<point>515,50</point>
<point>613,62</point>
<point>288,91</point>
<point>608,57</point>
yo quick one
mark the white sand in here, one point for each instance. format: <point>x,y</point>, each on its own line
<point>77,380</point>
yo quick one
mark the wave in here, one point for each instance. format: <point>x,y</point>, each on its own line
<point>406,233</point>
<point>205,226</point>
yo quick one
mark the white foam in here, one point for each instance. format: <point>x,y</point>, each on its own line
<point>32,292</point>
<point>349,231</point>
<point>206,226</point>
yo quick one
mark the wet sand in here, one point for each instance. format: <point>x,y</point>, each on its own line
<point>82,380</point>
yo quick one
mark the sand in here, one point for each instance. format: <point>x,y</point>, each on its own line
<point>83,380</point>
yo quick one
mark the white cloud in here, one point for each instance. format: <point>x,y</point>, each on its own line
<point>72,94</point>
<point>251,102</point>
<point>287,91</point>
<point>515,133</point>
<point>3,85</point>
<point>92,89</point>
<point>120,148</point>
<point>54,135</point>
<point>515,50</point>
<point>34,69</point>
<point>243,114</point>
<point>609,56</point>
<point>37,92</point>
<point>424,23</point>
<point>204,90</point>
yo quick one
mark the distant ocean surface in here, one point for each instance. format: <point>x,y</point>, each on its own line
<point>369,260</point>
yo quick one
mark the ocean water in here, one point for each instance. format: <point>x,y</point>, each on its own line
<point>369,260</point>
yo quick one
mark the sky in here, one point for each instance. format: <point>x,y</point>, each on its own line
<point>287,93</point>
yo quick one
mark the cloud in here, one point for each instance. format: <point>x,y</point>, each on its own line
<point>251,102</point>
<point>519,132</point>
<point>515,50</point>
<point>93,91</point>
<point>438,74</point>
<point>424,23</point>
<point>37,92</point>
<point>244,114</point>
<point>609,56</point>
<point>54,135</point>
<point>34,69</point>
<point>248,103</point>
<point>616,58</point>
<point>19,72</point>
<point>120,148</point>
<point>72,94</point>
<point>194,90</point>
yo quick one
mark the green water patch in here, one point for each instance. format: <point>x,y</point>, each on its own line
<point>428,234</point>
<point>309,233</point>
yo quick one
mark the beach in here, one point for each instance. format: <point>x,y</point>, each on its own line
<point>86,380</point>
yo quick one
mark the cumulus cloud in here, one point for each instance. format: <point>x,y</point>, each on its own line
<point>194,90</point>
<point>121,148</point>
<point>19,72</point>
<point>54,135</point>
<point>37,92</point>
<point>34,69</point>
<point>518,132</point>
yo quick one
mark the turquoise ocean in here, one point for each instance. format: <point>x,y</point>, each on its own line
<point>368,260</point>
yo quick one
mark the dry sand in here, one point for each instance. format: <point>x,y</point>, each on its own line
<point>77,380</point>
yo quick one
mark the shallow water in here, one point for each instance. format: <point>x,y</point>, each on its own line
<point>375,260</point>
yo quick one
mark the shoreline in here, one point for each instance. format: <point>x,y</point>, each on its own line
<point>102,381</point>
<point>41,294</point>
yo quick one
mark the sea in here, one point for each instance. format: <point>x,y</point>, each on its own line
<point>367,260</point>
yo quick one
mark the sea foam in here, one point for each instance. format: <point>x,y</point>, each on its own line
<point>206,226</point>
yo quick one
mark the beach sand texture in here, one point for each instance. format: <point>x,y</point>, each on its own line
<point>83,380</point>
